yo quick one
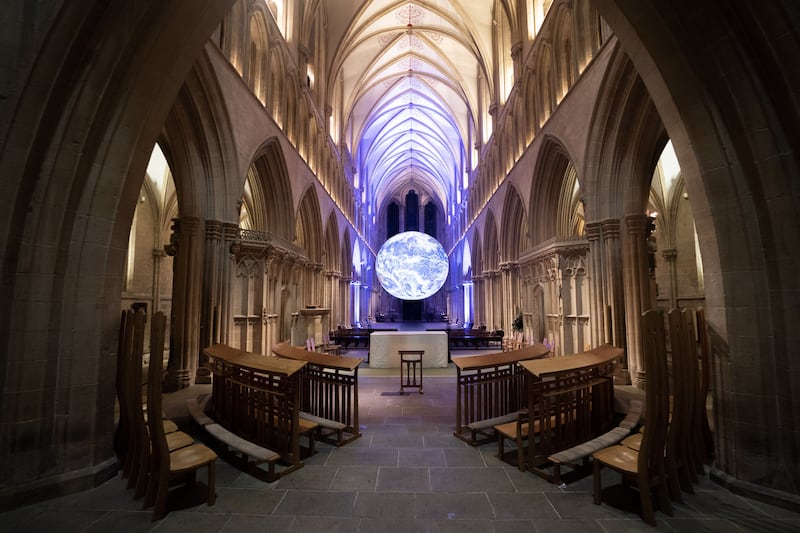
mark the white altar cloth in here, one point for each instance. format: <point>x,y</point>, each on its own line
<point>384,348</point>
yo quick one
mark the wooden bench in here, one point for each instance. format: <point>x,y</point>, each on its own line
<point>197,410</point>
<point>328,392</point>
<point>256,398</point>
<point>248,449</point>
<point>490,391</point>
<point>582,451</point>
<point>570,401</point>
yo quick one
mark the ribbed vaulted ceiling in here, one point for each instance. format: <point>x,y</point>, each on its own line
<point>412,75</point>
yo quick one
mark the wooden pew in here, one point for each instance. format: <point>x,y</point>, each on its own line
<point>256,401</point>
<point>355,337</point>
<point>328,392</point>
<point>490,391</point>
<point>471,338</point>
<point>570,401</point>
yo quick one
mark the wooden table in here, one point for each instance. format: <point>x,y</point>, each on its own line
<point>385,346</point>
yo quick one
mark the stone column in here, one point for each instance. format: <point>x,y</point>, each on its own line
<point>328,292</point>
<point>186,245</point>
<point>318,294</point>
<point>468,303</point>
<point>344,302</point>
<point>336,304</point>
<point>516,57</point>
<point>614,291</point>
<point>212,294</point>
<point>637,291</point>
<point>478,315</point>
<point>670,255</point>
<point>613,281</point>
<point>488,301</point>
<point>158,256</point>
<point>230,236</point>
<point>505,301</point>
<point>271,321</point>
<point>597,295</point>
<point>293,304</point>
<point>272,271</point>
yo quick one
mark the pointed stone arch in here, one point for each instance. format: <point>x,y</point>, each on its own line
<point>515,225</point>
<point>332,256</point>
<point>491,246</point>
<point>271,192</point>
<point>548,179</point>
<point>478,282</point>
<point>545,93</point>
<point>619,172</point>
<point>192,142</point>
<point>570,219</point>
<point>257,65</point>
<point>275,102</point>
<point>346,261</point>
<point>308,226</point>
<point>477,253</point>
<point>565,60</point>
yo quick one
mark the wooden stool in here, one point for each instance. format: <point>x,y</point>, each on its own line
<point>409,359</point>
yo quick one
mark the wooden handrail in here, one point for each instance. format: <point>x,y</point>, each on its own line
<point>534,351</point>
<point>286,350</point>
<point>602,355</point>
<point>253,361</point>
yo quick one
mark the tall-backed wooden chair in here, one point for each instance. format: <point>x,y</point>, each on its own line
<point>679,458</point>
<point>139,453</point>
<point>138,444</point>
<point>166,465</point>
<point>706,447</point>
<point>646,467</point>
<point>122,436</point>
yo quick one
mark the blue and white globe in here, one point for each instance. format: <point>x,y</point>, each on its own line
<point>412,265</point>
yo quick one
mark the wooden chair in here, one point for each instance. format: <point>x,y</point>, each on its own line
<point>706,447</point>
<point>679,457</point>
<point>646,467</point>
<point>122,436</point>
<point>138,444</point>
<point>138,455</point>
<point>166,465</point>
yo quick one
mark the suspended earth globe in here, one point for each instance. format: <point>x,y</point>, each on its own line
<point>412,265</point>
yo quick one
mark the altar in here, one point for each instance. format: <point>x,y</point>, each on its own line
<point>384,348</point>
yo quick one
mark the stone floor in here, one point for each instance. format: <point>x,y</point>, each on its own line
<point>406,473</point>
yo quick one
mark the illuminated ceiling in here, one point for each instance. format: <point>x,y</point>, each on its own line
<point>410,76</point>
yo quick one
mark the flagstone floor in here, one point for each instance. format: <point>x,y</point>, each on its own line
<point>406,473</point>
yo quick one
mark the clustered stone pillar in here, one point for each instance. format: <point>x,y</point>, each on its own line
<point>478,313</point>
<point>213,293</point>
<point>637,291</point>
<point>490,279</point>
<point>510,287</point>
<point>597,295</point>
<point>344,300</point>
<point>614,290</point>
<point>187,244</point>
<point>271,321</point>
<point>670,256</point>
